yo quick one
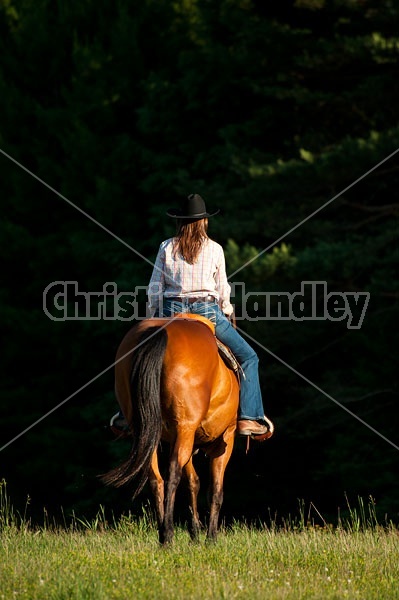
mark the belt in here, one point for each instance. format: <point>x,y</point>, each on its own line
<point>191,299</point>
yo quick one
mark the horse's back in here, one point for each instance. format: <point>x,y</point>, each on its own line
<point>197,383</point>
<point>198,391</point>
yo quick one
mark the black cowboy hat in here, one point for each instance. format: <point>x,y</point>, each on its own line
<point>193,207</point>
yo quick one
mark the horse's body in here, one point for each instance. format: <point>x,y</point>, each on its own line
<point>172,384</point>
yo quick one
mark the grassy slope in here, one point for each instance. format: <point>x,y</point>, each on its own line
<point>126,562</point>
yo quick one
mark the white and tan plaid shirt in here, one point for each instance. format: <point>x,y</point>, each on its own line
<point>173,277</point>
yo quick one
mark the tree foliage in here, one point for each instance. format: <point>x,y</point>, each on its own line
<point>276,112</point>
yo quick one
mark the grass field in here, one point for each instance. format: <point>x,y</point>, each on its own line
<point>104,561</point>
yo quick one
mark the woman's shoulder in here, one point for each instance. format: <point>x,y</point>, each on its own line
<point>216,247</point>
<point>166,243</point>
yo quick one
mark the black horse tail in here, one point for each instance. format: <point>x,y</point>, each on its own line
<point>146,404</point>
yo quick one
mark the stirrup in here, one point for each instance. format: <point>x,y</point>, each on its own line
<point>270,425</point>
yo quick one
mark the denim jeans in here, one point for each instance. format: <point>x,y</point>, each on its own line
<point>251,405</point>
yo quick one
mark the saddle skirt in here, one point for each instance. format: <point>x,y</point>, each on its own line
<point>229,358</point>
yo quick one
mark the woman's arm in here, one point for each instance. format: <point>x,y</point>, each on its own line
<point>223,287</point>
<point>157,282</point>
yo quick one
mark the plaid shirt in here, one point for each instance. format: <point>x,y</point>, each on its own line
<point>172,276</point>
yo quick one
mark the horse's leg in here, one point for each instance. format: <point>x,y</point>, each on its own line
<point>157,488</point>
<point>218,463</point>
<point>180,455</point>
<point>193,489</point>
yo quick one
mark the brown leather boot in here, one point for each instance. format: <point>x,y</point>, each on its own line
<point>256,430</point>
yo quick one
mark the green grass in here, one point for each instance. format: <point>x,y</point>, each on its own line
<point>102,561</point>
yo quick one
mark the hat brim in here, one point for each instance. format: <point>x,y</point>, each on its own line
<point>177,214</point>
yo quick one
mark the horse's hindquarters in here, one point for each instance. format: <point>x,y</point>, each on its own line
<point>174,377</point>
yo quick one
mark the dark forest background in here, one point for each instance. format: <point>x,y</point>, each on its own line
<point>268,110</point>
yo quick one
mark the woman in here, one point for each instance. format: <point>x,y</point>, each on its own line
<point>189,275</point>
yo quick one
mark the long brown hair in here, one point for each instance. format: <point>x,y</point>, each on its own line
<point>190,236</point>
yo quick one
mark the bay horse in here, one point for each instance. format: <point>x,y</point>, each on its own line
<point>172,384</point>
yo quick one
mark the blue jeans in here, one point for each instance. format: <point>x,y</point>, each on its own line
<point>251,405</point>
